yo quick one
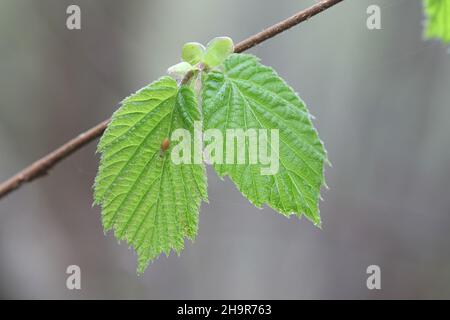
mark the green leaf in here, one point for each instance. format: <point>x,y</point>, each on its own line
<point>148,200</point>
<point>217,51</point>
<point>192,52</point>
<point>179,70</point>
<point>437,24</point>
<point>247,95</point>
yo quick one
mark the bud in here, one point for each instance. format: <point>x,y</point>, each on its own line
<point>179,70</point>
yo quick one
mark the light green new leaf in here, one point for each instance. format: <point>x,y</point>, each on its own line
<point>247,95</point>
<point>179,70</point>
<point>217,51</point>
<point>438,19</point>
<point>148,200</point>
<point>192,52</point>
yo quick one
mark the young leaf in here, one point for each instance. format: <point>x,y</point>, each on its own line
<point>148,200</point>
<point>249,95</point>
<point>217,51</point>
<point>179,70</point>
<point>438,19</point>
<point>192,52</point>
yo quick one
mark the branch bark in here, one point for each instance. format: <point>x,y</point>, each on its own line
<point>43,165</point>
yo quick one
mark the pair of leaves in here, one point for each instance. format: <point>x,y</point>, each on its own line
<point>213,55</point>
<point>195,54</point>
<point>153,204</point>
<point>437,13</point>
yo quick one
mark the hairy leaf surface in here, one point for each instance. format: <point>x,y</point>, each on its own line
<point>148,200</point>
<point>247,94</point>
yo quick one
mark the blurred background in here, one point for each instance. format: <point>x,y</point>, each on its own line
<point>381,102</point>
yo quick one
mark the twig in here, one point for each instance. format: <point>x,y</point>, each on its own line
<point>41,166</point>
<point>284,25</point>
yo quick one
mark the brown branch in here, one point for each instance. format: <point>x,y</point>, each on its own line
<point>284,25</point>
<point>41,166</point>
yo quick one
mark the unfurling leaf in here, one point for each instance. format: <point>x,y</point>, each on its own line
<point>248,95</point>
<point>217,51</point>
<point>192,52</point>
<point>179,70</point>
<point>148,200</point>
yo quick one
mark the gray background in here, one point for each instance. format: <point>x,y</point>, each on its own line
<point>381,101</point>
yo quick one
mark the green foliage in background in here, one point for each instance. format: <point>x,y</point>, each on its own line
<point>437,25</point>
<point>152,203</point>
